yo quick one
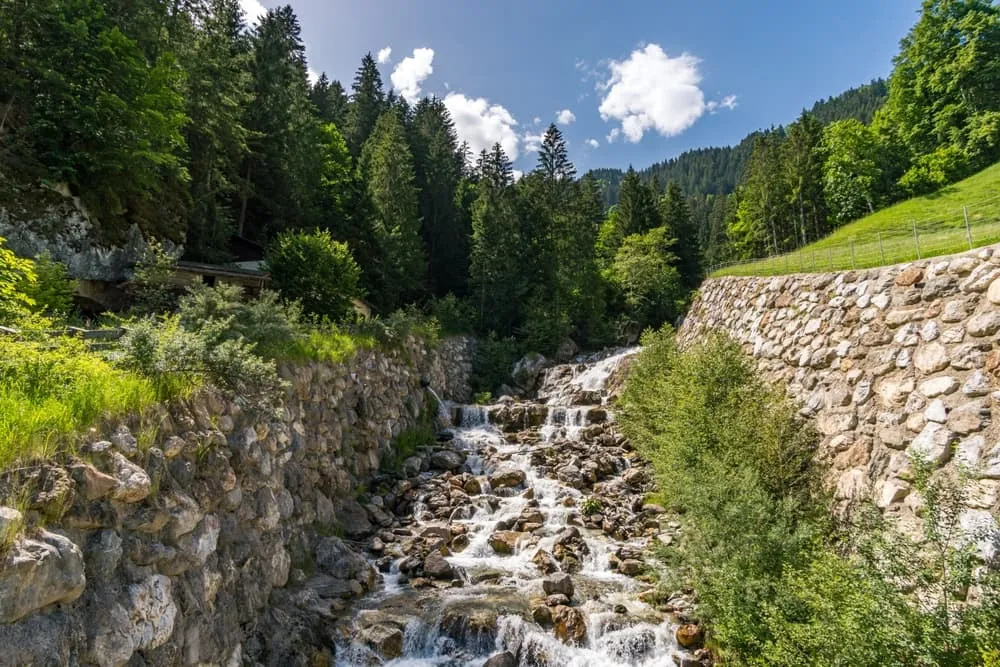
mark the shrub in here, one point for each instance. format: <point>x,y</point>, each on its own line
<point>314,269</point>
<point>454,315</point>
<point>265,321</point>
<point>52,291</point>
<point>151,286</point>
<point>16,276</point>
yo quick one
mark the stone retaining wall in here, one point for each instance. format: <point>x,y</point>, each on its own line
<point>221,538</point>
<point>891,362</point>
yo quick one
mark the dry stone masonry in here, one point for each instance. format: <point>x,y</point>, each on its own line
<point>223,537</point>
<point>891,362</point>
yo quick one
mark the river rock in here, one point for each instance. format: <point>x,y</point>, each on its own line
<point>570,625</point>
<point>690,636</point>
<point>504,659</point>
<point>504,542</point>
<point>40,572</point>
<point>630,567</point>
<point>558,583</point>
<point>437,567</point>
<point>447,459</point>
<point>508,477</point>
<point>526,370</point>
<point>545,562</point>
<point>385,640</point>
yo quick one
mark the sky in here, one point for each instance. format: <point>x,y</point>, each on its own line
<point>629,82</point>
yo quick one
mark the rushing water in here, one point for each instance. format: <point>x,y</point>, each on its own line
<point>445,626</point>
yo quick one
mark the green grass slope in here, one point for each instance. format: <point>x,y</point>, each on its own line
<point>887,236</point>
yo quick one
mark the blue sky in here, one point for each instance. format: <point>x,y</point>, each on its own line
<point>642,81</point>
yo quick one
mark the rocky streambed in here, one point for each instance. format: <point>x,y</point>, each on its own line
<point>520,540</point>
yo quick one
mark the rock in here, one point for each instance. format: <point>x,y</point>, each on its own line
<point>542,614</point>
<point>936,412</point>
<point>134,484</point>
<point>893,491</point>
<point>977,384</point>
<point>104,552</point>
<point>526,370</point>
<point>11,522</point>
<point>570,625</point>
<point>411,466</point>
<point>558,583</point>
<point>384,639</point>
<point>967,418</point>
<point>201,542</point>
<point>447,459</point>
<point>40,572</point>
<point>545,562</point>
<point>985,324</point>
<point>473,486</point>
<point>910,276</point>
<point>630,567</point>
<point>556,600</point>
<point>437,567</point>
<point>151,611</point>
<point>504,659</point>
<point>933,443</point>
<point>931,357</point>
<point>993,292</point>
<point>566,350</point>
<point>507,478</point>
<point>354,519</point>
<point>91,483</point>
<point>336,558</point>
<point>635,478</point>
<point>690,636</point>
<point>504,542</point>
<point>939,386</point>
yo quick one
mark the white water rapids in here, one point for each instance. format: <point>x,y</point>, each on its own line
<point>440,626</point>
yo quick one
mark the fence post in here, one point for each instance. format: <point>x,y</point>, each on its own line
<point>881,250</point>
<point>916,238</point>
<point>968,229</point>
<point>852,254</point>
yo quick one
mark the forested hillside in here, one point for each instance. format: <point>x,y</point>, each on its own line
<point>186,121</point>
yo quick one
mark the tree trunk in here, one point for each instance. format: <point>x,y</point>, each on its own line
<point>243,205</point>
<point>6,113</point>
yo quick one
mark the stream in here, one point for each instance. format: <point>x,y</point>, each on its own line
<point>521,541</point>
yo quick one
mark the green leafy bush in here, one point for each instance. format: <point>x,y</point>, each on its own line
<point>778,582</point>
<point>317,271</point>
<point>264,321</point>
<point>151,287</point>
<point>52,290</point>
<point>16,275</point>
<point>454,315</point>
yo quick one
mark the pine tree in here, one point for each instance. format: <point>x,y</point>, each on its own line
<point>803,167</point>
<point>367,104</point>
<point>387,167</point>
<point>217,98</point>
<point>763,219</point>
<point>553,158</point>
<point>330,101</point>
<point>438,166</point>
<point>676,216</point>
<point>635,213</point>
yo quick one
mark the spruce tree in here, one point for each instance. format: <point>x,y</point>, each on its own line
<point>676,216</point>
<point>387,167</point>
<point>330,101</point>
<point>367,104</point>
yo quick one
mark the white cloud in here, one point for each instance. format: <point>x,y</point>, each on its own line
<point>728,102</point>
<point>537,121</point>
<point>384,55</point>
<point>253,10</point>
<point>652,91</point>
<point>613,135</point>
<point>518,174</point>
<point>313,76</point>
<point>447,86</point>
<point>532,142</point>
<point>593,143</point>
<point>411,72</point>
<point>482,124</point>
<point>565,117</point>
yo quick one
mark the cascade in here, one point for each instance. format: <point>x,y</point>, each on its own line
<point>555,498</point>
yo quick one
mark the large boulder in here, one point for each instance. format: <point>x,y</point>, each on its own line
<point>507,477</point>
<point>437,567</point>
<point>40,572</point>
<point>558,583</point>
<point>383,639</point>
<point>526,370</point>
<point>570,625</point>
<point>504,542</point>
<point>447,459</point>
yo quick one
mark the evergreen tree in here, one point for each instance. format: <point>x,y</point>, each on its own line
<point>367,104</point>
<point>281,176</point>
<point>217,98</point>
<point>553,158</point>
<point>497,285</point>
<point>635,213</point>
<point>676,216</point>
<point>803,167</point>
<point>763,213</point>
<point>330,101</point>
<point>438,166</point>
<point>387,167</point>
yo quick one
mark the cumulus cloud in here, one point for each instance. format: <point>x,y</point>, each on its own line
<point>653,91</point>
<point>518,174</point>
<point>384,55</point>
<point>482,124</point>
<point>253,10</point>
<point>313,75</point>
<point>613,135</point>
<point>565,117</point>
<point>593,143</point>
<point>532,142</point>
<point>537,121</point>
<point>411,72</point>
<point>727,102</point>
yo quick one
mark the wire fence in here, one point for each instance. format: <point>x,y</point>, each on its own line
<point>971,226</point>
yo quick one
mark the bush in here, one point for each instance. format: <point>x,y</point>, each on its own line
<point>778,582</point>
<point>315,270</point>
<point>17,275</point>
<point>151,287</point>
<point>265,321</point>
<point>166,353</point>
<point>454,315</point>
<point>52,291</point>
